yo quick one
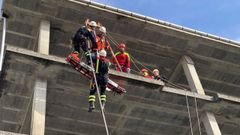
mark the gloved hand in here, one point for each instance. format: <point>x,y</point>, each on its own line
<point>163,78</point>
<point>128,70</point>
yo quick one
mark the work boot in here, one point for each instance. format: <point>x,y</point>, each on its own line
<point>91,106</point>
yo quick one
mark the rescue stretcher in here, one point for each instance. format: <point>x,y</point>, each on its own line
<point>88,71</point>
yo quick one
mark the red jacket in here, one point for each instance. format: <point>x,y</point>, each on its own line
<point>146,74</point>
<point>123,59</point>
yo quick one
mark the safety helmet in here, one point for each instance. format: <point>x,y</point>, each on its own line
<point>103,29</point>
<point>93,24</point>
<point>103,53</point>
<point>155,70</point>
<point>122,45</point>
<point>144,70</point>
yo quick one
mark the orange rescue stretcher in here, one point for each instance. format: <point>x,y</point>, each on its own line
<point>87,71</point>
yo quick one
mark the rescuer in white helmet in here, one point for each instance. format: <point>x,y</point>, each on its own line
<point>102,80</point>
<point>80,39</point>
<point>157,76</point>
<point>101,39</point>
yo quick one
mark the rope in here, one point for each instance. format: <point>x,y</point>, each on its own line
<point>189,114</point>
<point>177,86</point>
<point>116,43</point>
<point>187,104</point>
<point>196,109</point>
<point>95,80</point>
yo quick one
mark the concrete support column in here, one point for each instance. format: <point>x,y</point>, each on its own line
<point>39,107</point>
<point>192,76</point>
<point>44,37</point>
<point>210,124</point>
<point>2,46</point>
<point>40,89</point>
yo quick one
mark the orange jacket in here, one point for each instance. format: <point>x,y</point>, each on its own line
<point>102,42</point>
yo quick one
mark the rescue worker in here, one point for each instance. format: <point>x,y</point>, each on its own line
<point>123,59</point>
<point>102,80</point>
<point>101,39</point>
<point>157,76</point>
<point>146,74</point>
<point>80,39</point>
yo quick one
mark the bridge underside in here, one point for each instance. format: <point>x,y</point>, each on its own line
<point>145,109</point>
<point>148,108</point>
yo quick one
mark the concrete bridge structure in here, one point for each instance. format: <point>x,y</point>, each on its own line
<point>41,94</point>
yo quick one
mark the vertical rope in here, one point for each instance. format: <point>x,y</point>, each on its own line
<point>98,92</point>
<point>196,108</point>
<point>189,114</point>
<point>187,100</point>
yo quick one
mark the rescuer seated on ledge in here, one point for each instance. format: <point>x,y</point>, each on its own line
<point>123,59</point>
<point>146,74</point>
<point>157,76</point>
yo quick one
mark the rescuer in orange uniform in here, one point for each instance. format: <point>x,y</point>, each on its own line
<point>101,39</point>
<point>123,59</point>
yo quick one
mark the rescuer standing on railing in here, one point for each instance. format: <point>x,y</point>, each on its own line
<point>123,59</point>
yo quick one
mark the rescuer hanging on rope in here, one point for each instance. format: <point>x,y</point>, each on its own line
<point>123,59</point>
<point>82,36</point>
<point>102,80</point>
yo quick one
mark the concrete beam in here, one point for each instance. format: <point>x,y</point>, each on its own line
<point>44,37</point>
<point>188,93</point>
<point>60,60</point>
<point>39,107</point>
<point>192,76</point>
<point>176,73</point>
<point>9,133</point>
<point>210,124</point>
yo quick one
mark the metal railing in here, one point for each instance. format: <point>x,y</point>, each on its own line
<point>2,53</point>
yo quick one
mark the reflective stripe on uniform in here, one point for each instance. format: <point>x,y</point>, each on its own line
<point>117,53</point>
<point>103,97</point>
<point>91,98</point>
<point>87,53</point>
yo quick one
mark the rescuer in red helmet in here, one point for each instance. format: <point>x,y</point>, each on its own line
<point>123,59</point>
<point>146,74</point>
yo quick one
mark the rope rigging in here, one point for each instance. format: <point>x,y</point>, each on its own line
<point>98,93</point>
<point>170,83</point>
<point>127,57</point>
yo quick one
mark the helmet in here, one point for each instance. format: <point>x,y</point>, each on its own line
<point>103,53</point>
<point>102,29</point>
<point>144,70</point>
<point>155,70</point>
<point>93,24</point>
<point>122,45</point>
